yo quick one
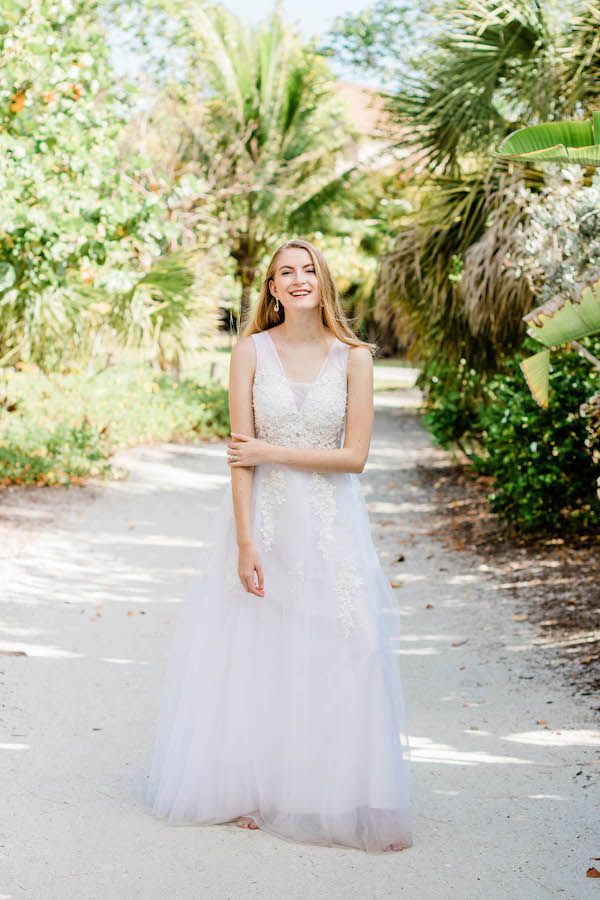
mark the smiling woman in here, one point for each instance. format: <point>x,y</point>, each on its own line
<point>283,707</point>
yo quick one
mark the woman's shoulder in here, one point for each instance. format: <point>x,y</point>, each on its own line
<point>359,354</point>
<point>244,350</point>
<point>249,340</point>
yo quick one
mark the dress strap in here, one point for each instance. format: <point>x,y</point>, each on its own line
<point>341,354</point>
<point>261,346</point>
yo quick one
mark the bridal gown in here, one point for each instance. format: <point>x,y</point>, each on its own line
<point>289,707</point>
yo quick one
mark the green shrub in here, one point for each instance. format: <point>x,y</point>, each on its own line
<point>542,460</point>
<point>451,398</point>
<point>204,408</point>
<point>544,474</point>
<point>30,454</point>
<point>58,429</point>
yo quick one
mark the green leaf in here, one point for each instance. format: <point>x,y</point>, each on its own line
<point>536,370</point>
<point>562,142</point>
<point>561,319</point>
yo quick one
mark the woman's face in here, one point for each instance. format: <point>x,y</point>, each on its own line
<point>295,282</point>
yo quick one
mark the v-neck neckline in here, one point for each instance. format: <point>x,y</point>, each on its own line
<point>289,381</point>
<point>317,376</point>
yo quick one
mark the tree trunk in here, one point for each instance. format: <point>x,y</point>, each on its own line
<point>247,273</point>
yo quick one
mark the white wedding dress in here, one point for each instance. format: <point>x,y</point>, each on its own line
<point>289,707</point>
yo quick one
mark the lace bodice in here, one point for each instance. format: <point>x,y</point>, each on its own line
<point>318,419</point>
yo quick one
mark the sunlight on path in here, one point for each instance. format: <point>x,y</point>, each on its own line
<point>504,761</point>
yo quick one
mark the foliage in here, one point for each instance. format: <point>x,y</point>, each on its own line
<point>492,64</point>
<point>430,288</point>
<point>558,250</point>
<point>60,454</point>
<point>80,226</point>
<point>489,68</point>
<point>558,244</point>
<point>258,135</point>
<point>377,40</point>
<point>564,142</point>
<point>543,466</point>
<point>452,396</point>
<point>57,429</point>
<point>545,462</point>
<point>558,322</point>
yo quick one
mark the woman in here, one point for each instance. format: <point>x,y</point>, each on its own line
<point>282,708</point>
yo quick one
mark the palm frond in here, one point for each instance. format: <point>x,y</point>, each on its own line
<point>427,289</point>
<point>582,76</point>
<point>458,103</point>
<point>494,293</point>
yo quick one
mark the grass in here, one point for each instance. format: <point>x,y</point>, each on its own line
<point>60,429</point>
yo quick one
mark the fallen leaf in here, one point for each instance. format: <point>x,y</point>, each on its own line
<point>520,617</point>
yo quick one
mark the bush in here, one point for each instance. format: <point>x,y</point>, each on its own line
<point>452,396</point>
<point>544,473</point>
<point>30,454</point>
<point>544,462</point>
<point>58,429</point>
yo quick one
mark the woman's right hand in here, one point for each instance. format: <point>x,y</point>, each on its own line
<point>249,563</point>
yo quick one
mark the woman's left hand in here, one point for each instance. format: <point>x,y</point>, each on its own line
<point>244,450</point>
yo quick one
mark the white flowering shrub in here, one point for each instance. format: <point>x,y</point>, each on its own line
<point>559,246</point>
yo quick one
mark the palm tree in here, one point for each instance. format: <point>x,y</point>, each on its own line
<point>496,66</point>
<point>263,134</point>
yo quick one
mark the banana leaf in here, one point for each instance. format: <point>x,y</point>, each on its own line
<point>557,322</point>
<point>562,142</point>
<point>536,370</point>
<point>561,320</point>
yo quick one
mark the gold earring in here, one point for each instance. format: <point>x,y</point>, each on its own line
<point>276,304</point>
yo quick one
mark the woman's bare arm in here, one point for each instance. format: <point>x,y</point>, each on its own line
<point>359,425</point>
<point>242,366</point>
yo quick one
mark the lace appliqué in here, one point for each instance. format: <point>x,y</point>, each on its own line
<point>347,583</point>
<point>324,506</point>
<point>272,495</point>
<point>318,423</point>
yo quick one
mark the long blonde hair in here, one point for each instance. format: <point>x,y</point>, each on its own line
<point>264,315</point>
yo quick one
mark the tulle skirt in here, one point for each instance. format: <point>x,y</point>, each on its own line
<point>289,707</point>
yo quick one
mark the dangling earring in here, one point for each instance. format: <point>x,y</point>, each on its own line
<point>276,304</point>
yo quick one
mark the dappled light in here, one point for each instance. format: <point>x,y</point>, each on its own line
<point>202,203</point>
<point>427,751</point>
<point>564,738</point>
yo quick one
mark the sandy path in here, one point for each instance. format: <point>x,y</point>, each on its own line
<point>91,579</point>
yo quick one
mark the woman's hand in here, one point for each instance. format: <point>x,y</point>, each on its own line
<point>244,450</point>
<point>249,563</point>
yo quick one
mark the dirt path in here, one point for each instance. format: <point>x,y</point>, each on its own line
<point>91,579</point>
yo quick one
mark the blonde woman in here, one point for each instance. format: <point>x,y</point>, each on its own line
<point>282,707</point>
